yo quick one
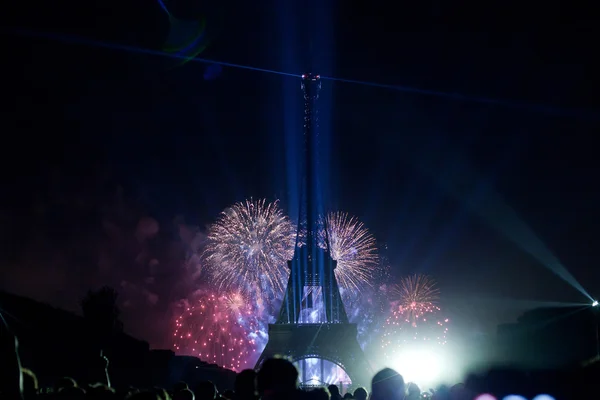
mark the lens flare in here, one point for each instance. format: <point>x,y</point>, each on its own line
<point>186,38</point>
<point>248,248</point>
<point>219,330</point>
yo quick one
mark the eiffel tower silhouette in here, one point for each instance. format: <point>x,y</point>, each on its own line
<point>312,275</point>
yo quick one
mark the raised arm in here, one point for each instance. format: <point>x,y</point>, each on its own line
<point>11,379</point>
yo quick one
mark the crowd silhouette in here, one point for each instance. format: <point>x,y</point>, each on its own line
<point>277,378</point>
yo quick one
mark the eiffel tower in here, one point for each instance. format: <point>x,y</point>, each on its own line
<point>333,338</point>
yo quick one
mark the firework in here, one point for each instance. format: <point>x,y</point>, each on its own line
<point>248,249</point>
<point>216,329</point>
<point>416,296</point>
<point>352,246</point>
<point>414,316</point>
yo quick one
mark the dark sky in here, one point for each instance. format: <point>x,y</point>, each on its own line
<point>82,122</point>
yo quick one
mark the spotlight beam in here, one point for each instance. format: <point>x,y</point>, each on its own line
<point>514,303</point>
<point>483,200</point>
<point>132,49</point>
<point>537,108</point>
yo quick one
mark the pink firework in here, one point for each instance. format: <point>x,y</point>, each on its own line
<point>414,317</point>
<point>415,297</point>
<point>218,329</point>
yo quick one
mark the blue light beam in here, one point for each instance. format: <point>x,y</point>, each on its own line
<point>132,49</point>
<point>538,108</point>
<point>489,205</point>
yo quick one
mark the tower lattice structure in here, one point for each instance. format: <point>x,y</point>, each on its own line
<point>312,271</point>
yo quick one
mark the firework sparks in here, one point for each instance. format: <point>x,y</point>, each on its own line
<point>414,317</point>
<point>352,246</point>
<point>235,302</point>
<point>213,330</point>
<point>416,295</point>
<point>248,248</point>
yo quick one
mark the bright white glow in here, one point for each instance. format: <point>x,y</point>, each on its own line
<point>514,397</point>
<point>595,303</point>
<point>319,372</point>
<point>543,397</point>
<point>422,367</point>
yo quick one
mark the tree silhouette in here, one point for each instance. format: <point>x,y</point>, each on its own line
<point>101,313</point>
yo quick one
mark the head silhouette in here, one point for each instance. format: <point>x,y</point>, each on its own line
<point>65,382</point>
<point>277,375</point>
<point>181,385</point>
<point>334,391</point>
<point>71,393</point>
<point>319,394</point>
<point>184,394</point>
<point>245,385</point>
<point>145,395</point>
<point>205,390</point>
<point>387,384</point>
<point>361,394</point>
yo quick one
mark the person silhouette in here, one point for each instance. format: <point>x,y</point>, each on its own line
<point>11,379</point>
<point>387,384</point>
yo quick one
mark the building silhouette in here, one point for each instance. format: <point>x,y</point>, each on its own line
<point>550,338</point>
<point>312,282</point>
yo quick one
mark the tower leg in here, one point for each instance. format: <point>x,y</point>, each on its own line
<point>290,309</point>
<point>332,301</point>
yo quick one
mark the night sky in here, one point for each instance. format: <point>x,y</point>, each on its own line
<point>96,138</point>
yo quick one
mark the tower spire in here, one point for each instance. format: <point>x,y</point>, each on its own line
<point>312,271</point>
<point>312,266</point>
